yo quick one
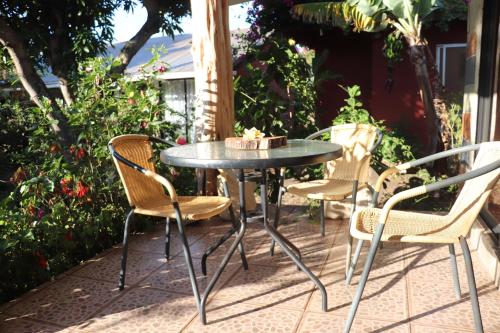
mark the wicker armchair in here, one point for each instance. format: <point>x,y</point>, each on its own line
<point>343,176</point>
<point>146,194</point>
<point>390,225</point>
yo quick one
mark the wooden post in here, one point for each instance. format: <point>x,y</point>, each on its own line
<point>213,67</point>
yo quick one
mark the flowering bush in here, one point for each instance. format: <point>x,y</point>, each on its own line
<point>63,211</point>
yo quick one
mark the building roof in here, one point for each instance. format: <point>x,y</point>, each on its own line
<point>178,57</point>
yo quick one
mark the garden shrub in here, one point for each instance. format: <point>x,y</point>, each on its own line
<point>61,212</point>
<point>275,89</point>
<point>394,147</point>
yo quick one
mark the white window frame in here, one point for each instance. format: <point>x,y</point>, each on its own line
<point>439,47</point>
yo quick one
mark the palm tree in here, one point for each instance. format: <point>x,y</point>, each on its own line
<point>405,16</point>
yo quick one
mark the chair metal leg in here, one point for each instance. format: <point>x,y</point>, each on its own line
<point>364,276</point>
<point>123,264</point>
<point>278,207</point>
<point>322,217</point>
<point>237,242</point>
<point>454,271</point>
<point>348,257</point>
<point>167,238</point>
<point>187,255</point>
<point>354,261</point>
<point>472,286</point>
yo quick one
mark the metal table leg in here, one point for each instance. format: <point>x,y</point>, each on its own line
<point>284,243</point>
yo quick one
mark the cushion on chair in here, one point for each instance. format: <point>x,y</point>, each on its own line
<point>192,208</point>
<point>404,226</point>
<point>323,189</point>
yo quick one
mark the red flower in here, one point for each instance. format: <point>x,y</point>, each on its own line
<point>66,186</point>
<point>81,190</point>
<point>43,263</point>
<point>162,69</point>
<point>80,153</point>
<point>72,149</point>
<point>181,140</point>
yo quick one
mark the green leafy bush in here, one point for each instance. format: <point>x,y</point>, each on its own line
<point>394,148</point>
<point>275,89</point>
<point>61,212</point>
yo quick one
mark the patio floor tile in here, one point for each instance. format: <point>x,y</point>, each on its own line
<point>319,323</point>
<point>283,286</point>
<point>143,310</point>
<point>410,288</point>
<point>23,325</point>
<point>173,276</point>
<point>139,265</point>
<point>245,318</point>
<point>66,302</point>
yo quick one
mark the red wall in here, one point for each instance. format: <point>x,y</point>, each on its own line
<point>358,58</point>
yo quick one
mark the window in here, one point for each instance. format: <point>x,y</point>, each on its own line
<point>450,61</point>
<point>180,98</point>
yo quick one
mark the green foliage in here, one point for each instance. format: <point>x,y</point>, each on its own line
<point>455,124</point>
<point>364,15</point>
<point>394,148</point>
<point>275,90</point>
<point>393,46</point>
<point>60,213</point>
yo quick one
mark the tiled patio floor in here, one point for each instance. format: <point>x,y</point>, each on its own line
<point>410,289</point>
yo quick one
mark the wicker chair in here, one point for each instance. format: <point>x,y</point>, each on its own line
<point>385,224</point>
<point>145,192</point>
<point>343,176</point>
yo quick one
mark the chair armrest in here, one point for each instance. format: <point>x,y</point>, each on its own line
<point>165,142</point>
<point>433,187</point>
<point>438,156</point>
<point>380,135</point>
<point>163,181</point>
<point>404,166</point>
<point>148,173</point>
<point>318,133</point>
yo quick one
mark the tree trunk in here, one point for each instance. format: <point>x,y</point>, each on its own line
<point>33,83</point>
<point>419,61</point>
<point>213,68</point>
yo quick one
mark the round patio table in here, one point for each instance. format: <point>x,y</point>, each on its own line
<point>214,155</point>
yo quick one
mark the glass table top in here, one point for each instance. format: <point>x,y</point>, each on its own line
<point>214,154</point>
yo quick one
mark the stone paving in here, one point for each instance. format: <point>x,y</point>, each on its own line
<point>410,288</point>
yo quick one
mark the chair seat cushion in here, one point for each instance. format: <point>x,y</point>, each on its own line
<point>402,226</point>
<point>322,189</point>
<point>192,208</point>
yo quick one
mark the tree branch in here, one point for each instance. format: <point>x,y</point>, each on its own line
<point>58,45</point>
<point>150,27</point>
<point>32,82</point>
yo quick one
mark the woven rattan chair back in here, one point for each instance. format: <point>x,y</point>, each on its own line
<point>476,191</point>
<point>357,140</point>
<point>139,188</point>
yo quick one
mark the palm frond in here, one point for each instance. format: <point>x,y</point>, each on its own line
<point>339,14</point>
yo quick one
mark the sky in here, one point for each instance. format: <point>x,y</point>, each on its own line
<point>127,24</point>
